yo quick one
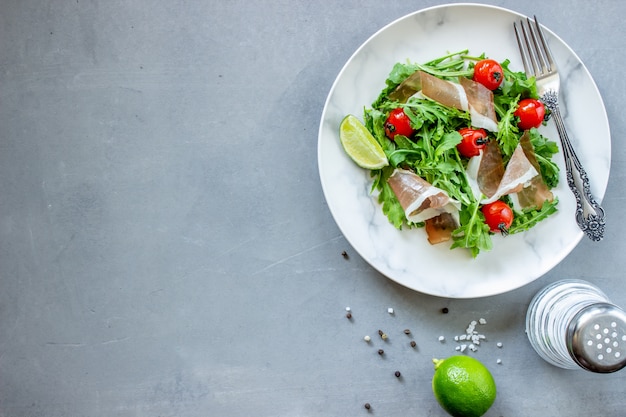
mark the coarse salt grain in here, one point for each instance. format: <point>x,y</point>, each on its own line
<point>390,310</point>
<point>367,338</point>
<point>471,335</point>
<point>348,309</point>
<point>499,361</point>
<point>441,338</point>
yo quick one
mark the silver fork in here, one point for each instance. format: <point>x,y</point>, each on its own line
<point>538,62</point>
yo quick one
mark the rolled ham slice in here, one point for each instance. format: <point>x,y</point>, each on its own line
<point>485,171</point>
<point>517,175</point>
<point>419,199</point>
<point>439,229</point>
<point>468,95</point>
<point>444,92</point>
<point>520,178</point>
<point>536,192</point>
<point>411,85</point>
<point>481,107</point>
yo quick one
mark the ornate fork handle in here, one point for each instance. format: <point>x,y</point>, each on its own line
<point>589,214</point>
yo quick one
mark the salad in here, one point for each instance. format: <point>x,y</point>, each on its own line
<point>465,158</point>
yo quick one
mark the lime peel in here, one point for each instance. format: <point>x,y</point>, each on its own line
<point>360,145</point>
<point>463,386</point>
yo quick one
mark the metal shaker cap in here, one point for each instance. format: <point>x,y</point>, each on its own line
<point>596,338</point>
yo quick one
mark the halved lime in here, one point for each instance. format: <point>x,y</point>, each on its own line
<point>360,145</point>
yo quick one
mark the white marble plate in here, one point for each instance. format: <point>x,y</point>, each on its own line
<point>405,256</point>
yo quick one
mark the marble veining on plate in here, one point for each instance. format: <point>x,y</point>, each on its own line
<point>405,255</point>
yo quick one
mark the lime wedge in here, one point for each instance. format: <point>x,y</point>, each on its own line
<point>360,145</point>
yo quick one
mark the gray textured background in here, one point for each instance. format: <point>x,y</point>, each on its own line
<point>165,247</point>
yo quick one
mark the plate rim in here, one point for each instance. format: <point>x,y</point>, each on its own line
<point>566,250</point>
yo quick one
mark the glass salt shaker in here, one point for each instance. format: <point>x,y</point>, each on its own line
<point>572,324</point>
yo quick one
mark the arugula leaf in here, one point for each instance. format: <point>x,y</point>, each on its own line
<point>515,86</point>
<point>448,142</point>
<point>473,233</point>
<point>508,132</point>
<point>544,150</point>
<point>431,153</point>
<point>390,205</point>
<point>516,83</point>
<point>526,219</point>
<point>398,73</point>
<point>448,66</point>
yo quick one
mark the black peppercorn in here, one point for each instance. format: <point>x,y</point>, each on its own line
<point>397,374</point>
<point>413,344</point>
<point>367,406</point>
<point>380,351</point>
<point>444,310</point>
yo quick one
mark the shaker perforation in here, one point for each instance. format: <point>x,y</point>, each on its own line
<point>572,324</point>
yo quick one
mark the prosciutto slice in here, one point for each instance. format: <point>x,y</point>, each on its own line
<point>517,175</point>
<point>486,170</point>
<point>536,192</point>
<point>520,178</point>
<point>439,229</point>
<point>481,107</point>
<point>411,85</point>
<point>468,95</point>
<point>444,92</point>
<point>419,199</point>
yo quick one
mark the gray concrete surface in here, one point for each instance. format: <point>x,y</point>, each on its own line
<point>165,246</point>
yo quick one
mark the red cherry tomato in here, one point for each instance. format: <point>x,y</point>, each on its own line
<point>530,112</point>
<point>489,73</point>
<point>498,216</point>
<point>473,141</point>
<point>398,123</point>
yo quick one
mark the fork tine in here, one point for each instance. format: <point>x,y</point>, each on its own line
<point>531,46</point>
<point>533,68</point>
<point>522,50</point>
<point>546,48</point>
<point>540,53</point>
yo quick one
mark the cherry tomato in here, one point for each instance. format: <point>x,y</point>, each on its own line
<point>473,141</point>
<point>530,112</point>
<point>498,216</point>
<point>489,73</point>
<point>398,123</point>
